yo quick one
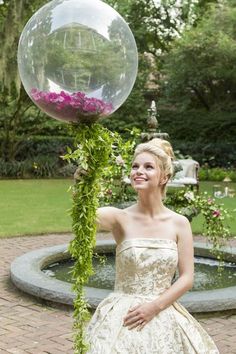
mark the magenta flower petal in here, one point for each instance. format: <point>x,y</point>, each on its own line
<point>216,213</point>
<point>73,106</point>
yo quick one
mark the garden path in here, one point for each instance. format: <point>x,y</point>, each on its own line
<point>28,325</point>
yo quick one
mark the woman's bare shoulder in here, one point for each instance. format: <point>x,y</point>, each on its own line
<point>183,228</point>
<point>109,211</point>
<point>108,217</point>
<point>179,219</point>
<point>130,209</point>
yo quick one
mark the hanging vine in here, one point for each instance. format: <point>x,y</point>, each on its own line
<point>215,217</point>
<point>93,145</point>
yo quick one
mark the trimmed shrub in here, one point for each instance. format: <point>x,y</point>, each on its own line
<point>214,154</point>
<point>39,167</point>
<point>216,174</point>
<point>43,145</point>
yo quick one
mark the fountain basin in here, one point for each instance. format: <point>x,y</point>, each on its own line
<point>27,275</point>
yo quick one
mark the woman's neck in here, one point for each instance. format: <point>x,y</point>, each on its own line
<point>150,204</point>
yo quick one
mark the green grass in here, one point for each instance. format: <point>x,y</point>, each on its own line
<point>34,206</point>
<point>30,207</point>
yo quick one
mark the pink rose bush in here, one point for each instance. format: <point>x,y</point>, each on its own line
<point>76,107</point>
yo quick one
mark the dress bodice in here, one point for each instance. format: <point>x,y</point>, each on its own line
<point>145,265</point>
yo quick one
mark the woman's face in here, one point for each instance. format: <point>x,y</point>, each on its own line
<point>145,172</point>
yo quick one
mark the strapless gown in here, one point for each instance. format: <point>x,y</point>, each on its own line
<point>144,269</point>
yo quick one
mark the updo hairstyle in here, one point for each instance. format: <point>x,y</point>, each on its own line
<point>164,154</point>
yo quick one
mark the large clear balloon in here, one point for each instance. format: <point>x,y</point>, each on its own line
<point>77,59</point>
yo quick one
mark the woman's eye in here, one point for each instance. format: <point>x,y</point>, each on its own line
<point>149,166</point>
<point>134,166</point>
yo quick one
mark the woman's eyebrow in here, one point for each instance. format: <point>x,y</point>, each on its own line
<point>145,163</point>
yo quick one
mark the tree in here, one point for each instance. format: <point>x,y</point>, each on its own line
<point>19,118</point>
<point>155,25</point>
<point>199,70</point>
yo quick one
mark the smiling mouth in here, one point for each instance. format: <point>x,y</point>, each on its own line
<point>140,179</point>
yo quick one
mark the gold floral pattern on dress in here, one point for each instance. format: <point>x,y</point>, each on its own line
<point>144,269</point>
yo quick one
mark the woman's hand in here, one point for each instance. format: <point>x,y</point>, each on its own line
<point>79,173</point>
<point>140,315</point>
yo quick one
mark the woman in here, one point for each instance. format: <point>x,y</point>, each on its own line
<point>141,315</point>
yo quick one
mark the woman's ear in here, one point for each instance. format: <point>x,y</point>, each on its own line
<point>163,180</point>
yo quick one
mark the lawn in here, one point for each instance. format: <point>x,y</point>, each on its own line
<point>30,207</point>
<point>34,206</point>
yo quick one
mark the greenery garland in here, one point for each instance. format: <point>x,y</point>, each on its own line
<point>93,148</point>
<point>215,229</point>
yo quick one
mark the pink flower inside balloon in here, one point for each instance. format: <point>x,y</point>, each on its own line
<point>76,107</point>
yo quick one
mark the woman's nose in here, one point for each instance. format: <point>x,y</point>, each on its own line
<point>140,170</point>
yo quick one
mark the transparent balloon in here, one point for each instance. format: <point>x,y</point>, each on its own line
<point>77,59</point>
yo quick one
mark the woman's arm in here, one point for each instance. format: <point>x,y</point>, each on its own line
<point>107,218</point>
<point>185,266</point>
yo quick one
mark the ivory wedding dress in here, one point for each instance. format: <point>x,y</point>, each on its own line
<point>144,269</point>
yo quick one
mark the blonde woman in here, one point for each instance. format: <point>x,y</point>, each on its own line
<point>142,315</point>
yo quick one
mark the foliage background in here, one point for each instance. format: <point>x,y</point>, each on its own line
<point>187,55</point>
